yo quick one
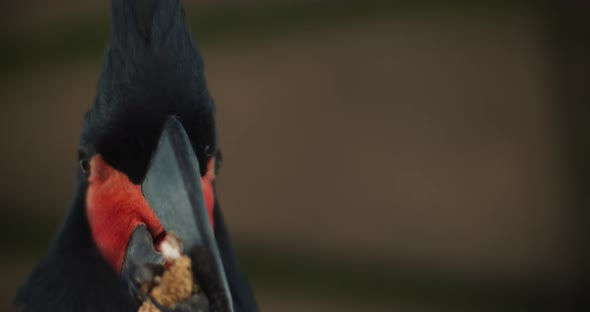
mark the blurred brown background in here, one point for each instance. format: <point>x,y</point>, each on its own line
<point>378,156</point>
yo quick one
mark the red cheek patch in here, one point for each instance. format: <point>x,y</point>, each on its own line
<point>115,207</point>
<point>207,186</point>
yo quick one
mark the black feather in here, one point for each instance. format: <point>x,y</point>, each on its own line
<point>144,15</point>
<point>143,82</point>
<point>243,298</point>
<point>73,276</point>
<point>152,69</point>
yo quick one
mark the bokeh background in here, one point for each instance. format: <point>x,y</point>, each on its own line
<point>378,155</point>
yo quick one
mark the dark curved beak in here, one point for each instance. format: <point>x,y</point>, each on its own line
<point>172,187</point>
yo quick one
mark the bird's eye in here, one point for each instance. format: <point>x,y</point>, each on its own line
<point>85,166</point>
<point>218,161</point>
<point>84,155</point>
<point>216,154</point>
<point>208,153</point>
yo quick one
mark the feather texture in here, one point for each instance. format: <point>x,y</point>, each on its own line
<point>152,69</point>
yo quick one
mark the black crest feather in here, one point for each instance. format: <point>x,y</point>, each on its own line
<point>152,69</point>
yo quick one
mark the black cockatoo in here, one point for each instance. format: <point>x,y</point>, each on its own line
<point>148,158</point>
